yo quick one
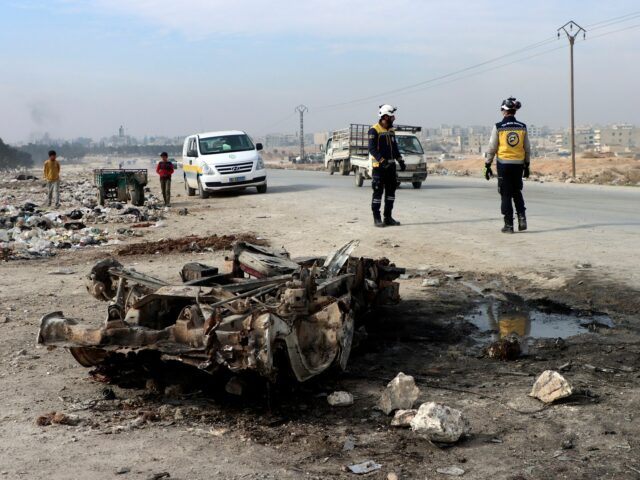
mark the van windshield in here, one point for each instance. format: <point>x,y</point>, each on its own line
<point>225,144</point>
<point>409,145</point>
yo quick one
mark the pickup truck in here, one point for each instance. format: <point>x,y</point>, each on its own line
<point>347,151</point>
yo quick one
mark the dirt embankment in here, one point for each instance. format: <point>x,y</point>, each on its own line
<point>601,170</point>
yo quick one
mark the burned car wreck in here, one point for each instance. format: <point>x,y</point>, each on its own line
<point>268,308</point>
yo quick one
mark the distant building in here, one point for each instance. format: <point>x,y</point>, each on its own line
<point>617,137</point>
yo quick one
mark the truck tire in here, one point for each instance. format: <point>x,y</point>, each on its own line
<point>416,185</point>
<point>202,193</point>
<point>359,178</point>
<point>344,168</point>
<point>331,167</point>
<point>190,191</point>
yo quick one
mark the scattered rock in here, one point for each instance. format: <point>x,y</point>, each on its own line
<point>122,470</point>
<point>431,282</point>
<point>158,476</point>
<point>439,423</point>
<point>507,348</point>
<point>57,418</point>
<point>551,386</point>
<point>401,393</point>
<point>349,444</point>
<point>403,418</point>
<point>392,476</point>
<point>365,467</point>
<point>178,414</point>
<point>453,471</point>
<point>340,399</point>
<point>183,212</point>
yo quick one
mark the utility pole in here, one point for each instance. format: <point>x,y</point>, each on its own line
<point>301,109</point>
<point>568,28</point>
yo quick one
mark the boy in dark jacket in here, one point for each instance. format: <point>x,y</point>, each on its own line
<point>164,169</point>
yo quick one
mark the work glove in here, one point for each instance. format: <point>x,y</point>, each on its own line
<point>488,173</point>
<point>525,173</point>
<point>403,166</point>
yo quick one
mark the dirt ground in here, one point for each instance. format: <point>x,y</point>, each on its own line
<point>590,168</point>
<point>289,431</point>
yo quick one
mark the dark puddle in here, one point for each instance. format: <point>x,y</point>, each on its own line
<point>498,320</point>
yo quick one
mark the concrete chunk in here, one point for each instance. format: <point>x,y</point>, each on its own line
<point>403,418</point>
<point>340,399</point>
<point>551,386</point>
<point>401,393</point>
<point>439,423</point>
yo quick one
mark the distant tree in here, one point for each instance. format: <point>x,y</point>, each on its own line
<point>13,158</point>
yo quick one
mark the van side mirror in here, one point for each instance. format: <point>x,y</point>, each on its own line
<point>259,146</point>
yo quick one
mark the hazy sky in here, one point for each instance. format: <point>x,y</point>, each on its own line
<point>82,68</point>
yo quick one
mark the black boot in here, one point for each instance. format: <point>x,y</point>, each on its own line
<point>508,225</point>
<point>522,222</point>
<point>390,222</point>
<point>377,221</point>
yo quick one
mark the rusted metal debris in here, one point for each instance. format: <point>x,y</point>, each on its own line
<point>268,308</point>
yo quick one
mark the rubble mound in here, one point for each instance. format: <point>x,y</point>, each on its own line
<point>191,243</point>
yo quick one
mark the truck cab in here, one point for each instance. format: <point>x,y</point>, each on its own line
<point>225,160</point>
<point>347,150</point>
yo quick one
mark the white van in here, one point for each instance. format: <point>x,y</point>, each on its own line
<point>215,161</point>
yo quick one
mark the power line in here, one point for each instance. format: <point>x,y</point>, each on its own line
<point>414,87</point>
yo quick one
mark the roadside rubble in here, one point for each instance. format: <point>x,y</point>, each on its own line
<point>401,393</point>
<point>550,386</point>
<point>29,230</point>
<point>439,423</point>
<point>403,418</point>
<point>340,399</point>
<point>190,243</point>
<point>301,312</point>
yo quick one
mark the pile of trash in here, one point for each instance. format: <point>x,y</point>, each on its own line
<point>27,231</point>
<point>271,313</point>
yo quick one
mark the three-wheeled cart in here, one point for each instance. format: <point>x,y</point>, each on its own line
<point>123,184</point>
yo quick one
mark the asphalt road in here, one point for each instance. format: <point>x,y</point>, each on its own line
<point>454,222</point>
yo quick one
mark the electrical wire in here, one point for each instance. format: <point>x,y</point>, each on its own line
<point>430,83</point>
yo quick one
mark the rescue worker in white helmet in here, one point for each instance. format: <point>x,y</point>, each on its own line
<point>383,153</point>
<point>509,144</point>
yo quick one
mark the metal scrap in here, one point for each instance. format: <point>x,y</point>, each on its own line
<point>268,310</point>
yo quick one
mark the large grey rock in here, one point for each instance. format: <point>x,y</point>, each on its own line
<point>401,393</point>
<point>402,418</point>
<point>551,386</point>
<point>439,423</point>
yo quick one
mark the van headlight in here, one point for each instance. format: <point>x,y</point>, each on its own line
<point>260,164</point>
<point>207,170</point>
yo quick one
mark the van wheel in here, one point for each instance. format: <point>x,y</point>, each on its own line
<point>190,191</point>
<point>201,191</point>
<point>416,185</point>
<point>359,178</point>
<point>262,188</point>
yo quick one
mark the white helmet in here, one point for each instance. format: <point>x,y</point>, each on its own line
<point>386,110</point>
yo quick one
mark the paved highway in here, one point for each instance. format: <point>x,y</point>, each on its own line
<point>454,222</point>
